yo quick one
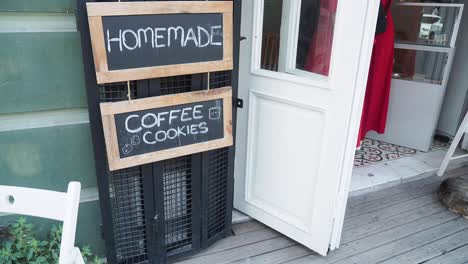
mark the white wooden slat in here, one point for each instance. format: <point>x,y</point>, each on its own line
<point>392,222</point>
<point>374,216</point>
<point>407,243</point>
<point>433,250</point>
<point>243,252</point>
<point>33,202</point>
<point>395,199</point>
<point>458,256</point>
<point>348,250</point>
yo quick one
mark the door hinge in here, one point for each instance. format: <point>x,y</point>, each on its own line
<point>101,230</point>
<point>239,103</point>
<point>156,221</point>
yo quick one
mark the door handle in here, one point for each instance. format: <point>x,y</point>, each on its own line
<point>242,38</point>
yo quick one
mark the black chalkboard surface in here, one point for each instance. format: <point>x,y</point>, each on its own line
<point>162,39</point>
<point>169,127</point>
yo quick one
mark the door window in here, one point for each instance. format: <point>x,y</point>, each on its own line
<point>297,36</point>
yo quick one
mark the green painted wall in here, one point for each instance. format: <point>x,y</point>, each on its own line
<point>47,158</point>
<point>41,71</point>
<point>61,6</point>
<point>43,142</point>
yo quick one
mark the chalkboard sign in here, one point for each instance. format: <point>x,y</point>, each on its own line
<point>157,128</point>
<point>142,40</point>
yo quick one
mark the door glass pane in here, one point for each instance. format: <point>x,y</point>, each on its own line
<point>315,38</point>
<point>315,35</point>
<point>419,65</point>
<point>271,34</point>
<point>428,25</point>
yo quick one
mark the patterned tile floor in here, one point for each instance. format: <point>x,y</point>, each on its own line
<point>374,151</point>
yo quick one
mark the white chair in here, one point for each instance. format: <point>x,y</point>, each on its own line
<point>48,204</point>
<point>456,140</point>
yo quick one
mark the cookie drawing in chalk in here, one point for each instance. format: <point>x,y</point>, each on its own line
<point>135,140</point>
<point>215,113</point>
<point>127,148</point>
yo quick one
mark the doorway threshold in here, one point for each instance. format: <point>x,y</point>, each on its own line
<point>382,175</point>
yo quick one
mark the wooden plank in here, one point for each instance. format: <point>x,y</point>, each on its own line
<point>392,222</point>
<point>374,216</point>
<point>59,6</point>
<point>243,252</point>
<point>365,244</point>
<point>163,101</point>
<point>99,51</point>
<point>163,7</point>
<point>240,240</point>
<point>402,188</point>
<point>38,81</point>
<point>247,227</point>
<point>228,36</point>
<point>408,243</point>
<point>388,192</point>
<point>278,256</point>
<point>162,71</point>
<point>457,256</point>
<point>433,250</point>
<point>388,201</point>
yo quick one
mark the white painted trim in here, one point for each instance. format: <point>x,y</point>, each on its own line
<point>355,120</point>
<point>20,121</point>
<point>14,22</point>
<point>87,195</point>
<point>422,47</point>
<point>428,4</point>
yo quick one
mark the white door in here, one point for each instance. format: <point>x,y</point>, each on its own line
<point>303,70</point>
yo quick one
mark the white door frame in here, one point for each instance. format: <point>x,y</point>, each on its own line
<point>355,122</point>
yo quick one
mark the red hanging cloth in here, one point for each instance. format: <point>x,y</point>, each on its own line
<point>375,109</point>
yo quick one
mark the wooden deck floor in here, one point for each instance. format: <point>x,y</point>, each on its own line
<point>402,224</point>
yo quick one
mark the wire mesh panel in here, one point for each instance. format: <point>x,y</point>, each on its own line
<point>177,186</point>
<point>220,79</point>
<point>126,195</point>
<point>176,84</point>
<point>217,191</point>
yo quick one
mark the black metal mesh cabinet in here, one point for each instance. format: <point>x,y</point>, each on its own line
<point>169,209</point>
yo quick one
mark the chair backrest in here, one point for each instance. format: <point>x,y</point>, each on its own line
<point>46,204</point>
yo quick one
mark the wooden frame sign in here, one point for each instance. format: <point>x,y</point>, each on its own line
<point>143,40</point>
<point>164,127</point>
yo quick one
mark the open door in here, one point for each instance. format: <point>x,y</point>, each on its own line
<point>303,71</point>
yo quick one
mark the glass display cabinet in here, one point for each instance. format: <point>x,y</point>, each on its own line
<point>425,37</point>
